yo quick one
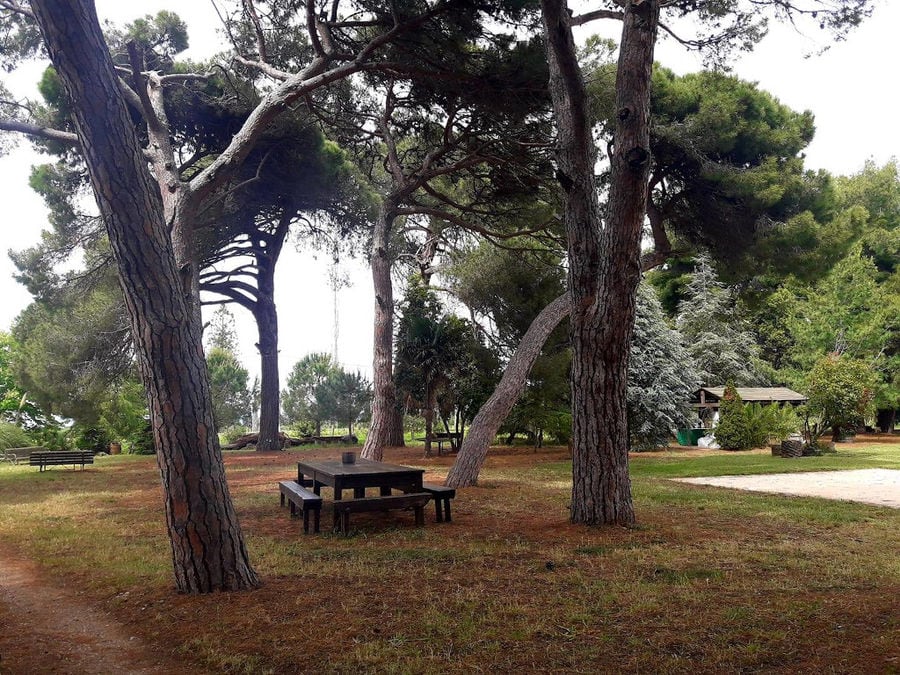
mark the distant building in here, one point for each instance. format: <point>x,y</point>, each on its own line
<point>706,400</point>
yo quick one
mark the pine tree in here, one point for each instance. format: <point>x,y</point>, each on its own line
<point>661,376</point>
<point>717,342</point>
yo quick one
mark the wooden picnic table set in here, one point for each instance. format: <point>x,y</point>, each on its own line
<point>356,475</point>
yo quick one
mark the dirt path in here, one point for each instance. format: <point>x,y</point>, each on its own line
<point>870,486</point>
<point>47,629</point>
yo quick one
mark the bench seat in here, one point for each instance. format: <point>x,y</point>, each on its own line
<point>344,507</point>
<point>47,458</point>
<point>441,495</point>
<point>308,501</point>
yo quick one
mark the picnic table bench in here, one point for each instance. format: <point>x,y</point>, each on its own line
<point>344,507</point>
<point>308,501</point>
<point>46,458</point>
<point>454,439</point>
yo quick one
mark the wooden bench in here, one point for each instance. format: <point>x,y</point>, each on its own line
<point>442,437</point>
<point>308,501</point>
<point>60,458</point>
<point>441,496</point>
<point>344,507</point>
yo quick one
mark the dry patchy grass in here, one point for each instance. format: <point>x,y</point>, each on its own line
<point>711,580</point>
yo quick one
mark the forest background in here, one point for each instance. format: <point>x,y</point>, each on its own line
<point>836,86</point>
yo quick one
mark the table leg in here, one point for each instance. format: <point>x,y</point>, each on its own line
<point>359,493</point>
<point>385,491</point>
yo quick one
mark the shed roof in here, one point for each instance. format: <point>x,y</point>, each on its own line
<point>767,394</point>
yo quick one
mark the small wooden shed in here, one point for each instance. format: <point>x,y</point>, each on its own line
<point>707,399</point>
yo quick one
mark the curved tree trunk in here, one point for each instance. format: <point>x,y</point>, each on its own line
<point>604,263</point>
<point>208,550</point>
<point>383,427</point>
<point>491,415</point>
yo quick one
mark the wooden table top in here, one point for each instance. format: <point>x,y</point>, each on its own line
<point>362,467</point>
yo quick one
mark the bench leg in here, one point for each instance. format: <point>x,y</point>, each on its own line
<point>447,510</point>
<point>293,510</point>
<point>346,522</point>
<point>282,499</point>
<point>439,509</point>
<point>316,515</point>
<point>420,516</point>
<point>305,520</point>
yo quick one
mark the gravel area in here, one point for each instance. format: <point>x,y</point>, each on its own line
<point>870,486</point>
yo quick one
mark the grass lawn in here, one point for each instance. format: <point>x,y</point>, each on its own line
<point>711,580</point>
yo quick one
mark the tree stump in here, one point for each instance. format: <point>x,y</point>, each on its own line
<point>792,448</point>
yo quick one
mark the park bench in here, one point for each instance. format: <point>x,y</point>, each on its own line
<point>308,501</point>
<point>15,455</point>
<point>344,507</point>
<point>442,437</point>
<point>46,458</point>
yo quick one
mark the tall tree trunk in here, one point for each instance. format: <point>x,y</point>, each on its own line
<point>428,414</point>
<point>269,396</point>
<point>208,550</point>
<point>385,413</point>
<point>495,410</point>
<point>604,264</point>
<point>266,315</point>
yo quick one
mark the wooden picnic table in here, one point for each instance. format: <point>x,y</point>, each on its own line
<point>364,473</point>
<point>358,476</point>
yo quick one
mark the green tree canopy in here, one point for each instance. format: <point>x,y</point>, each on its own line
<point>719,345</point>
<point>841,393</point>
<point>228,387</point>
<point>303,400</point>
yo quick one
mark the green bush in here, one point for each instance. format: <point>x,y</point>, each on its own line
<point>12,436</point>
<point>732,432</point>
<point>94,439</point>
<point>52,437</point>
<point>765,422</point>
<point>141,443</point>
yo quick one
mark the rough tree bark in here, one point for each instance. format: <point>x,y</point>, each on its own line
<point>604,262</point>
<point>208,549</point>
<point>384,424</point>
<point>266,315</point>
<point>486,424</point>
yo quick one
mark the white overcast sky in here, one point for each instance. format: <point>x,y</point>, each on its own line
<point>850,89</point>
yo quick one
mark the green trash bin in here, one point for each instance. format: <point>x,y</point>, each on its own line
<point>689,436</point>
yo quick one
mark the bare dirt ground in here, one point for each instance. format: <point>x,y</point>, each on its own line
<point>880,487</point>
<point>48,629</point>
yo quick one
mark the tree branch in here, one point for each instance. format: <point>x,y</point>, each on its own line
<point>37,131</point>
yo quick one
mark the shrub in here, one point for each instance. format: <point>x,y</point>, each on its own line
<point>141,442</point>
<point>732,432</point>
<point>12,436</point>
<point>765,422</point>
<point>93,439</point>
